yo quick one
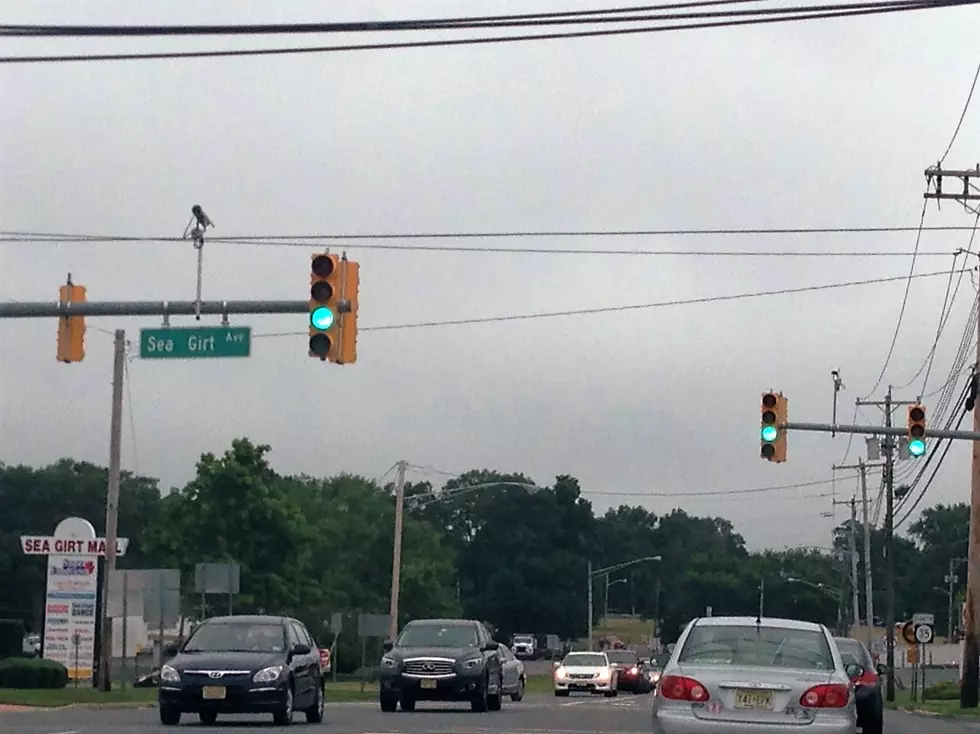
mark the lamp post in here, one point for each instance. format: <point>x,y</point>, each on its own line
<point>593,574</point>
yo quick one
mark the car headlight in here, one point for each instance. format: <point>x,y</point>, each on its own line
<point>267,675</point>
<point>387,662</point>
<point>471,663</point>
<point>559,672</point>
<point>634,670</point>
<point>169,674</point>
<point>603,674</point>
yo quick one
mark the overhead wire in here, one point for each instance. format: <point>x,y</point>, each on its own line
<point>620,309</point>
<point>492,40</point>
<point>959,124</point>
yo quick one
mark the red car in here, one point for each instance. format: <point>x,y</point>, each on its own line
<point>631,675</point>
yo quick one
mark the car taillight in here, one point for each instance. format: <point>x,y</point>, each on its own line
<point>682,688</point>
<point>826,696</point>
<point>868,678</point>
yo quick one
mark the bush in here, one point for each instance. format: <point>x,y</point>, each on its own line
<point>32,673</point>
<point>11,638</point>
<point>947,690</point>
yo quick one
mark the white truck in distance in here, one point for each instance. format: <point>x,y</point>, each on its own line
<point>524,646</point>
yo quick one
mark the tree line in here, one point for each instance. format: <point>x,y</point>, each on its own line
<point>512,553</point>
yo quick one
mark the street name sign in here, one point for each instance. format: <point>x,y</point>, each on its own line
<point>196,342</point>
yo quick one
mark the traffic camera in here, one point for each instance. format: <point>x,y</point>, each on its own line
<point>773,435</point>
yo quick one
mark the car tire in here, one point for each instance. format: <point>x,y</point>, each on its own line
<point>208,717</point>
<point>609,694</point>
<point>873,725</point>
<point>519,693</point>
<point>389,704</point>
<point>408,704</point>
<point>169,716</point>
<point>284,716</point>
<point>314,714</point>
<point>480,701</point>
<point>561,694</point>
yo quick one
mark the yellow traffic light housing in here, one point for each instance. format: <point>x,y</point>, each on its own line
<point>916,429</point>
<point>71,329</point>
<point>774,412</point>
<point>344,349</point>
<point>325,276</point>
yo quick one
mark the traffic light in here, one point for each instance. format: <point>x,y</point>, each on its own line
<point>71,329</point>
<point>344,349</point>
<point>325,275</point>
<point>775,409</point>
<point>916,429</point>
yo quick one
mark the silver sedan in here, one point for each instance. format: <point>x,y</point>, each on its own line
<point>743,675</point>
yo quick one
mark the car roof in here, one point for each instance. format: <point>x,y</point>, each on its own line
<point>586,652</point>
<point>445,622</point>
<point>793,624</point>
<point>249,619</point>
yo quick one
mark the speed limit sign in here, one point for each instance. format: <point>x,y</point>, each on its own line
<point>923,633</point>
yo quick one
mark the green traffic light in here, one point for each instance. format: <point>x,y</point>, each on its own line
<point>321,318</point>
<point>917,447</point>
<point>769,433</point>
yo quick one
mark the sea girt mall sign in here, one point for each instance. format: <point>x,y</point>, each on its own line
<point>46,545</point>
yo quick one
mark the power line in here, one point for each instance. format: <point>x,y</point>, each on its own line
<point>632,307</point>
<point>901,312</point>
<point>959,124</point>
<point>488,40</point>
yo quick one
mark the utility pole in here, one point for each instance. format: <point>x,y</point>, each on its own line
<point>762,596</point>
<point>889,558</point>
<point>869,605</point>
<point>970,688</point>
<point>950,580</point>
<point>112,504</point>
<point>396,561</point>
<point>854,565</point>
<point>590,605</point>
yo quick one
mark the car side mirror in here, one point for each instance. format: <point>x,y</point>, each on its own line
<point>388,646</point>
<point>301,649</point>
<point>880,667</point>
<point>854,670</point>
<point>557,664</point>
<point>170,649</point>
<point>491,646</point>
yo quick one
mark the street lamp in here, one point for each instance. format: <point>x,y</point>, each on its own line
<point>592,575</point>
<point>605,600</point>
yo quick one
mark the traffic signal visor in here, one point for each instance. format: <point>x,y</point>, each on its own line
<point>324,292</point>
<point>917,429</point>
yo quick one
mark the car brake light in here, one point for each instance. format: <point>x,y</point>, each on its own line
<point>826,696</point>
<point>868,678</point>
<point>682,688</point>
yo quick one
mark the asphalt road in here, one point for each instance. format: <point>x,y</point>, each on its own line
<point>536,714</point>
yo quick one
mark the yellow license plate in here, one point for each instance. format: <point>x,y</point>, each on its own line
<point>429,684</point>
<point>754,700</point>
<point>213,693</point>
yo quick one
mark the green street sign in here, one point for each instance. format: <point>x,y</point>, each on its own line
<point>191,342</point>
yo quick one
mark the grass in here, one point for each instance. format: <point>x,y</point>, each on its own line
<point>132,697</point>
<point>903,701</point>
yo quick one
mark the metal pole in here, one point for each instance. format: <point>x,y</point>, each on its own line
<point>762,596</point>
<point>880,431</point>
<point>854,565</point>
<point>889,559</point>
<point>605,599</point>
<point>590,604</point>
<point>949,624</point>
<point>969,691</point>
<point>868,581</point>
<point>112,503</point>
<point>46,309</point>
<point>656,611</point>
<point>396,561</point>
<point>125,625</point>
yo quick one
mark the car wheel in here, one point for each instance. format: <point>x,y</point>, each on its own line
<point>480,703</point>
<point>519,693</point>
<point>408,704</point>
<point>561,694</point>
<point>169,716</point>
<point>873,726</point>
<point>208,717</point>
<point>284,716</point>
<point>610,694</point>
<point>314,714</point>
<point>388,703</point>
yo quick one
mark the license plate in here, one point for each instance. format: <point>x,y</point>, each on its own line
<point>213,693</point>
<point>426,683</point>
<point>754,700</point>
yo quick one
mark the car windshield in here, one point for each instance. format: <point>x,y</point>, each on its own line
<point>769,647</point>
<point>236,637</point>
<point>523,640</point>
<point>438,635</point>
<point>591,660</point>
<point>623,656</point>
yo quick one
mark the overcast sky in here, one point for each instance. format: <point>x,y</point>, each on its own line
<point>818,124</point>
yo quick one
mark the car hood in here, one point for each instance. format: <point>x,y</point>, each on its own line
<point>226,660</point>
<point>407,653</point>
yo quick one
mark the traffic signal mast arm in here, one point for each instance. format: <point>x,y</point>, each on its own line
<point>881,430</point>
<point>47,309</point>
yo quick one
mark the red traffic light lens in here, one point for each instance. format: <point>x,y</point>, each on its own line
<point>769,400</point>
<point>917,414</point>
<point>322,266</point>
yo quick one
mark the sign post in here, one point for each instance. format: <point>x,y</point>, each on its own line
<point>73,553</point>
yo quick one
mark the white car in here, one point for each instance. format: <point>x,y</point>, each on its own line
<point>524,646</point>
<point>732,675</point>
<point>588,672</point>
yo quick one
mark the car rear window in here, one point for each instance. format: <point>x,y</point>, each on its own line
<point>852,651</point>
<point>622,656</point>
<point>764,646</point>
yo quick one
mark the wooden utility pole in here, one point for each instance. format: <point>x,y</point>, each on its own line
<point>970,688</point>
<point>396,556</point>
<point>856,612</point>
<point>889,557</point>
<point>112,505</point>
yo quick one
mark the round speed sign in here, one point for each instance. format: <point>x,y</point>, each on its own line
<point>923,633</point>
